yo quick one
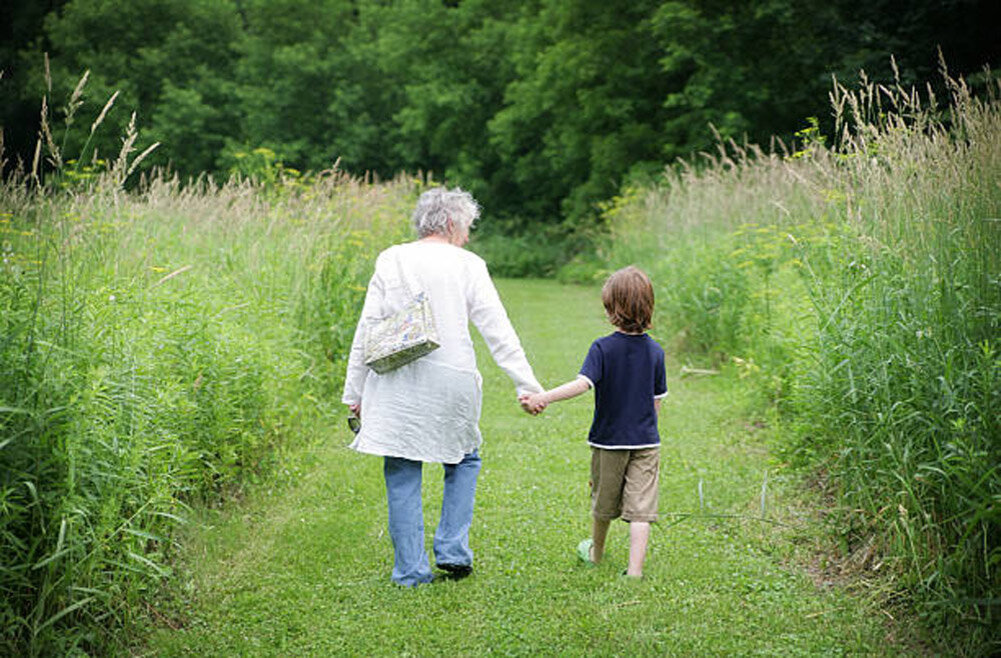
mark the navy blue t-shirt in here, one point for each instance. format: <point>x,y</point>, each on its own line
<point>627,373</point>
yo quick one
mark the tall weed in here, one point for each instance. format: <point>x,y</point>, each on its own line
<point>909,312</point>
<point>158,348</point>
<point>857,280</point>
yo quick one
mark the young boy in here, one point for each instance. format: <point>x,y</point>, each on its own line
<point>626,371</point>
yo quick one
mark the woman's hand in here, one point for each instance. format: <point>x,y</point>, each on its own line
<point>355,409</point>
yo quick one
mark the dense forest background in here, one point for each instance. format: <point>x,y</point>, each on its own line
<point>542,108</point>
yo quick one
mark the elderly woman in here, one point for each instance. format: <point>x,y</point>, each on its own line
<point>429,409</point>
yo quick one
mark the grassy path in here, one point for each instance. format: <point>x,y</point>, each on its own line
<point>305,570</point>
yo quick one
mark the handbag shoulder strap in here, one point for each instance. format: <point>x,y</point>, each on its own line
<point>403,274</point>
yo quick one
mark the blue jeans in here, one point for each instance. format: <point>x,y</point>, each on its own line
<point>406,517</point>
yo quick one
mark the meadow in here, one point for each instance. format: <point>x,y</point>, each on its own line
<point>303,569</point>
<point>172,471</point>
<point>162,349</point>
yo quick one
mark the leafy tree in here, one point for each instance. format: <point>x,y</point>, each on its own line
<point>21,23</point>
<point>152,52</point>
<point>751,69</point>
<point>759,68</point>
<point>541,107</point>
<point>865,35</point>
<point>448,66</point>
<point>584,107</point>
<point>291,69</point>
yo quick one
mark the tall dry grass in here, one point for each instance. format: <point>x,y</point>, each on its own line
<point>857,280</point>
<point>161,346</point>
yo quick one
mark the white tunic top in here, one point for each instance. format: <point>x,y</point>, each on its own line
<point>429,410</point>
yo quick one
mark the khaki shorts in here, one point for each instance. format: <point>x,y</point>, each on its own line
<point>624,483</point>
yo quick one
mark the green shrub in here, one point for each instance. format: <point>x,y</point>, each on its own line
<point>520,256</point>
<point>904,391</point>
<point>859,285</point>
<point>159,348</point>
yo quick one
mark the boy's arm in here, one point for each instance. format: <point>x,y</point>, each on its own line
<point>536,402</point>
<point>566,391</point>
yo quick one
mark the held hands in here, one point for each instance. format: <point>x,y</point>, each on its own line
<point>534,403</point>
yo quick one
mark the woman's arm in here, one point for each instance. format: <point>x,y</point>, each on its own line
<point>489,317</point>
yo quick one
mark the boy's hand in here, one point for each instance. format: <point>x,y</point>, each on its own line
<point>533,404</point>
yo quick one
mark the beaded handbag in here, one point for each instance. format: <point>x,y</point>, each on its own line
<point>402,337</point>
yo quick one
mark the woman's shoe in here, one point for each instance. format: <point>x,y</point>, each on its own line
<point>455,571</point>
<point>584,551</point>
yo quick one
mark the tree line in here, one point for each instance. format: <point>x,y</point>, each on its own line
<point>542,108</point>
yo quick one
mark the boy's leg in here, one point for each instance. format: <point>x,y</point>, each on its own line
<point>598,533</point>
<point>607,475</point>
<point>451,539</point>
<point>406,521</point>
<point>639,537</point>
<point>639,503</point>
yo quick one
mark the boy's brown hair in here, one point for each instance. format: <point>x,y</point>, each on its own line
<point>628,299</point>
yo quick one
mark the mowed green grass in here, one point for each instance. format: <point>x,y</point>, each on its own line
<point>303,568</point>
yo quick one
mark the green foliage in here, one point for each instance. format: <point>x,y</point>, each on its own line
<point>707,294</point>
<point>580,112</point>
<point>261,166</point>
<point>173,60</point>
<point>542,109</point>
<point>532,255</point>
<point>289,74</point>
<point>909,309</point>
<point>750,69</point>
<point>160,349</point>
<point>858,286</point>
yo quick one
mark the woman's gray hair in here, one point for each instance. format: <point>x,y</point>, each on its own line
<point>438,205</point>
